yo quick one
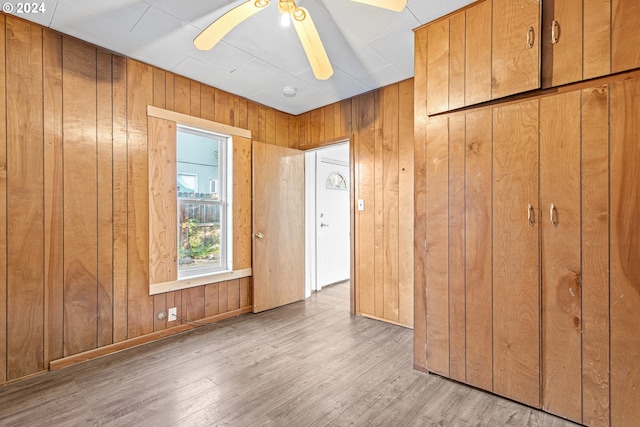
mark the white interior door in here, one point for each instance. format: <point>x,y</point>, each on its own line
<point>332,217</point>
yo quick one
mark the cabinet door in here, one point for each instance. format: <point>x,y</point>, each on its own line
<point>596,38</point>
<point>438,67</point>
<point>625,253</point>
<point>515,65</point>
<point>560,255</point>
<point>437,262</point>
<point>478,54</point>
<point>561,42</point>
<point>516,314</point>
<point>625,36</point>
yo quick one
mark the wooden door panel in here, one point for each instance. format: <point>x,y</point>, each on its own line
<point>625,36</point>
<point>560,262</point>
<point>438,67</point>
<point>561,42</point>
<point>516,326</point>
<point>595,256</point>
<point>596,38</point>
<point>437,263</point>
<point>278,214</point>
<point>515,65</point>
<point>625,253</point>
<point>478,214</point>
<point>478,54</point>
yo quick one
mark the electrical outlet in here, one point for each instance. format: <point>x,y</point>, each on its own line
<point>173,314</point>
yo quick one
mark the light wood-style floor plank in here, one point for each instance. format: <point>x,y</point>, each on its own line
<point>306,364</point>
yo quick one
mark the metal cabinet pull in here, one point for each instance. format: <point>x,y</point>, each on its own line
<point>530,37</point>
<point>553,215</point>
<point>259,235</point>
<point>530,215</point>
<point>554,32</point>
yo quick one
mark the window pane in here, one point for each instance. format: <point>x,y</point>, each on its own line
<point>198,164</point>
<point>200,238</point>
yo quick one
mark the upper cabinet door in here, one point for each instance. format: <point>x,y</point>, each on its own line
<point>561,42</point>
<point>438,67</point>
<point>477,83</point>
<point>625,36</point>
<point>515,66</point>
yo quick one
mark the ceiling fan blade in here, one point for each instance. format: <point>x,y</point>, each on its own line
<point>394,5</point>
<point>312,45</point>
<point>211,35</point>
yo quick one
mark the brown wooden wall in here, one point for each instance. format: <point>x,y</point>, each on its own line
<point>381,124</point>
<point>74,196</point>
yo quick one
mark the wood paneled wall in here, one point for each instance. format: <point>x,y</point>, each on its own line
<point>74,184</point>
<point>381,126</point>
<point>74,200</point>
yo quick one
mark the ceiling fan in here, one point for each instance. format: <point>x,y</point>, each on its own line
<point>302,22</point>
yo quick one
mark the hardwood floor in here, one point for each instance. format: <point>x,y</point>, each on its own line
<point>308,363</point>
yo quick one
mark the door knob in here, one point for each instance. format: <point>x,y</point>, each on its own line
<point>259,235</point>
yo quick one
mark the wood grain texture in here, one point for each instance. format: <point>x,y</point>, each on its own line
<point>516,299</point>
<point>24,213</point>
<point>211,300</point>
<point>163,216</point>
<point>241,203</point>
<point>456,225</point>
<point>624,251</point>
<point>378,208</point>
<point>405,203</point>
<point>390,197</point>
<point>419,200</point>
<point>561,297</point>
<point>53,223</point>
<point>514,66</point>
<point>3,206</point>
<point>595,256</point>
<point>278,205</point>
<point>104,140</point>
<point>624,35</point>
<point>477,83</point>
<point>182,95</point>
<point>438,67</point>
<point>437,262</point>
<point>478,249</point>
<point>120,196</point>
<point>80,202</point>
<point>457,54</point>
<point>596,38</point>
<point>562,59</point>
<point>139,303</point>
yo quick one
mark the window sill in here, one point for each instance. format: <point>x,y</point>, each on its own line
<point>191,282</point>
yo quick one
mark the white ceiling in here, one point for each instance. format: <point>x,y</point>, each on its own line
<point>368,47</point>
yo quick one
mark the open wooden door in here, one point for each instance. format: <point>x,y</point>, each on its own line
<point>278,226</point>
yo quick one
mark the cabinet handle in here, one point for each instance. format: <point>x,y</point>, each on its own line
<point>530,36</point>
<point>554,32</point>
<point>530,215</point>
<point>553,215</point>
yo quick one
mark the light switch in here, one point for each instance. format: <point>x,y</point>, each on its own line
<point>360,204</point>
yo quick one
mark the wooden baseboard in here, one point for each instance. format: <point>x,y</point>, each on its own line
<point>54,365</point>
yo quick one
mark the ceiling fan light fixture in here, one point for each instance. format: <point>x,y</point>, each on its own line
<point>285,20</point>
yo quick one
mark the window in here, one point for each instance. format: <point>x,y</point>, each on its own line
<point>337,181</point>
<point>203,184</point>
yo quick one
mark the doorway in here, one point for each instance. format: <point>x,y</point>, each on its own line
<point>327,216</point>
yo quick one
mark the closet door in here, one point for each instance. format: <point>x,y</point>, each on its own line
<point>516,324</point>
<point>560,255</point>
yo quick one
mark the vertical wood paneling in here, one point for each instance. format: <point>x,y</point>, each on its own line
<point>120,196</point>
<point>437,241</point>
<point>478,186</point>
<point>456,60</point>
<point>25,276</point>
<point>405,203</point>
<point>3,207</point>
<point>224,107</point>
<point>597,38</point>
<point>457,291</point>
<point>223,295</point>
<point>242,203</point>
<point>182,94</point>
<point>105,198</point>
<point>624,251</point>
<point>282,129</point>
<point>625,36</point>
<point>438,67</point>
<point>233,294</point>
<point>390,199</point>
<point>207,103</point>
<point>419,200</point>
<point>53,228</point>
<point>378,200</point>
<point>346,117</point>
<point>595,256</point>
<point>245,292</point>
<point>366,191</point>
<point>195,99</point>
<point>80,201</point>
<point>211,300</point>
<point>139,95</point>
<point>195,302</point>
